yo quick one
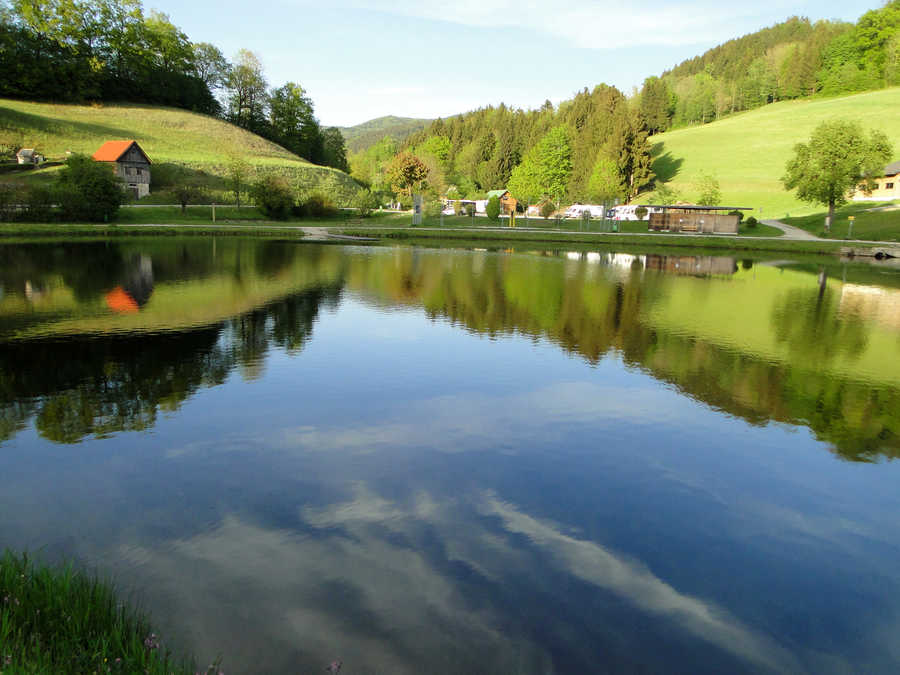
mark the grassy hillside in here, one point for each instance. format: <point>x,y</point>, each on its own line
<point>747,152</point>
<point>168,135</point>
<point>368,133</point>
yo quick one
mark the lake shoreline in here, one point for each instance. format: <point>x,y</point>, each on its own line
<point>10,232</point>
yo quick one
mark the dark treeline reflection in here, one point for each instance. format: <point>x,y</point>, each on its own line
<point>95,386</point>
<point>757,341</point>
<point>595,304</point>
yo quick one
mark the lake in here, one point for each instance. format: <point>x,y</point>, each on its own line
<point>463,461</point>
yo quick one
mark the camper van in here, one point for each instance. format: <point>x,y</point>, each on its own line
<point>627,212</point>
<point>576,210</point>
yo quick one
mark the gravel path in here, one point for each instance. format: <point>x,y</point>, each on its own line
<point>790,232</point>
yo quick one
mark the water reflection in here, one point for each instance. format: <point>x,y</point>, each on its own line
<point>463,461</point>
<point>773,344</point>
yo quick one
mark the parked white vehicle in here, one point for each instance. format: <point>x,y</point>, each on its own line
<point>627,212</point>
<point>576,210</point>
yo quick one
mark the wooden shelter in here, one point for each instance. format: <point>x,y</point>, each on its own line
<point>508,203</point>
<point>695,218</point>
<point>130,163</point>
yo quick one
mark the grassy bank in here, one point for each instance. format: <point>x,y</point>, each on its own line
<point>873,221</point>
<point>58,620</point>
<point>372,229</point>
<point>704,242</point>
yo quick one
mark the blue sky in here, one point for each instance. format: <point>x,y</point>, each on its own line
<point>423,58</point>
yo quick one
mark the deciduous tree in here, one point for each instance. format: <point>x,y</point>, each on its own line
<point>407,173</point>
<point>839,158</point>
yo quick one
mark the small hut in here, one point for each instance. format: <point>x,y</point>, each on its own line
<point>508,203</point>
<point>130,163</point>
<point>695,218</point>
<point>28,156</point>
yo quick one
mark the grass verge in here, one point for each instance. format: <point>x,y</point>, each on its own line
<point>872,221</point>
<point>58,620</point>
<point>706,242</point>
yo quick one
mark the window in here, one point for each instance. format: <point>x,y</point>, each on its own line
<point>888,186</point>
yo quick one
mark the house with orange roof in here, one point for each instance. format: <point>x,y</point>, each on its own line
<point>130,163</point>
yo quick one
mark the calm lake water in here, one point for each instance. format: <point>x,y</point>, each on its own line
<point>463,461</point>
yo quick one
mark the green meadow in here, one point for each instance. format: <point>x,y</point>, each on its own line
<point>747,152</point>
<point>168,135</point>
<point>872,221</point>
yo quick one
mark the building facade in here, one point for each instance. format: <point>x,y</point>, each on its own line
<point>887,187</point>
<point>130,163</point>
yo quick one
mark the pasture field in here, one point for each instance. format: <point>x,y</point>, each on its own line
<point>747,152</point>
<point>199,142</point>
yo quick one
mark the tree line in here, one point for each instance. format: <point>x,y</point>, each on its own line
<point>793,59</point>
<point>111,51</point>
<point>593,148</point>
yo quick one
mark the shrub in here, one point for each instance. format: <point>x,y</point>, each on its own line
<point>739,214</point>
<point>38,203</point>
<point>751,222</point>
<point>273,196</point>
<point>88,190</point>
<point>470,209</point>
<point>187,192</point>
<point>365,202</point>
<point>457,207</point>
<point>318,204</point>
<point>9,201</point>
<point>432,208</point>
<point>547,209</point>
<point>640,212</point>
<point>493,208</point>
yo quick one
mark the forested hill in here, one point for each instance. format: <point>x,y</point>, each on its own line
<point>111,51</point>
<point>790,60</point>
<point>367,134</point>
<point>599,145</point>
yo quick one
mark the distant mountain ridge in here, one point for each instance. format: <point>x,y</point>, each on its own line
<point>362,136</point>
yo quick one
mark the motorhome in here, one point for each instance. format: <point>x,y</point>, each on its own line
<point>576,210</point>
<point>627,212</point>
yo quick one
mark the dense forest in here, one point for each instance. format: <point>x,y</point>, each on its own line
<point>596,147</point>
<point>592,148</point>
<point>79,51</point>
<point>793,59</point>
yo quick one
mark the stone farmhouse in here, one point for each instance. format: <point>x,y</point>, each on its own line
<point>130,163</point>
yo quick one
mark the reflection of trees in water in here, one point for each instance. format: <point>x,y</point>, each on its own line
<point>592,315</point>
<point>102,385</point>
<point>809,324</point>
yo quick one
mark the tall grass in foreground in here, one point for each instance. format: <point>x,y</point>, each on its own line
<point>59,620</point>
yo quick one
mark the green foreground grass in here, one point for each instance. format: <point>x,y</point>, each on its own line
<point>747,152</point>
<point>872,221</point>
<point>56,620</point>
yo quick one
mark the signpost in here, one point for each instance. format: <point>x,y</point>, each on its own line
<point>417,210</point>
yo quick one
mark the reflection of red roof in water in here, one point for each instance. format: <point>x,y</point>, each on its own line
<point>119,301</point>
